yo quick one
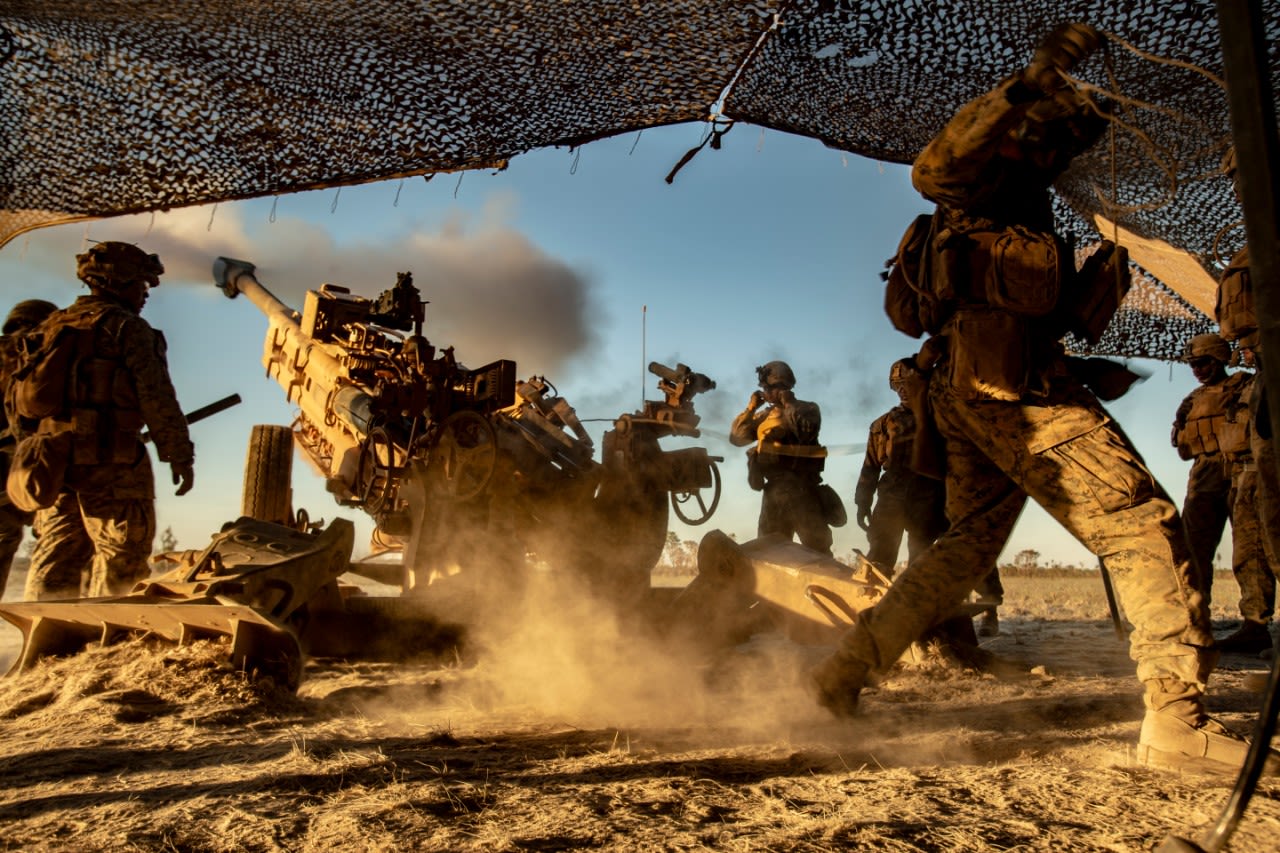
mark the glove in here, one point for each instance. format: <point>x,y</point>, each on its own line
<point>864,517</point>
<point>1062,50</point>
<point>184,476</point>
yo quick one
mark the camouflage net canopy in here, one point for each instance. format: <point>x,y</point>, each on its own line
<point>121,106</point>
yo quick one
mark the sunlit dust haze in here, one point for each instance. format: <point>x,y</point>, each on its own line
<point>558,653</point>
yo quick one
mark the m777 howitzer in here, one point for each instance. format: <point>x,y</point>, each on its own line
<point>469,474</point>
<point>463,468</point>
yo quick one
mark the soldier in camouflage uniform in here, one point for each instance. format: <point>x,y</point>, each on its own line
<point>891,497</point>
<point>786,462</point>
<point>1257,483</point>
<point>1210,428</point>
<point>1015,421</point>
<point>23,316</point>
<point>1253,561</point>
<point>906,501</point>
<point>123,387</point>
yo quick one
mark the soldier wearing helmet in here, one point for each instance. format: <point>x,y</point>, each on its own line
<point>1209,428</point>
<point>1016,421</point>
<point>891,497</point>
<point>22,317</point>
<point>1256,484</point>
<point>119,387</point>
<point>786,460</point>
<point>894,499</point>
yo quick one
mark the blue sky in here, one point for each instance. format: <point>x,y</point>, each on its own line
<point>583,266</point>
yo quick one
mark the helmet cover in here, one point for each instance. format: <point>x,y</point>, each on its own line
<point>27,314</point>
<point>113,264</point>
<point>776,373</point>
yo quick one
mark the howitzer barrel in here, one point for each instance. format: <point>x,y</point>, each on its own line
<point>303,355</point>
<point>235,277</point>
<point>310,371</point>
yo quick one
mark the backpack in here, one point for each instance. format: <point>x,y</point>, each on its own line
<point>47,359</point>
<point>1235,312</point>
<point>911,304</point>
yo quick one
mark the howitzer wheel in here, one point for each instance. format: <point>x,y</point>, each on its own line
<point>464,457</point>
<point>268,474</point>
<point>679,499</point>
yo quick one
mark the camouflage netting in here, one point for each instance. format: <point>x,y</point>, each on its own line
<point>121,106</point>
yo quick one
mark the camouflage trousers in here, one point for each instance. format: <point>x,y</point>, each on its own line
<point>1205,511</point>
<point>12,522</point>
<point>1255,564</point>
<point>98,524</point>
<point>791,506</point>
<point>1066,454</point>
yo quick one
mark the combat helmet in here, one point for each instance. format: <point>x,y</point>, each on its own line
<point>900,371</point>
<point>776,373</point>
<point>27,314</point>
<point>112,264</point>
<point>1208,344</point>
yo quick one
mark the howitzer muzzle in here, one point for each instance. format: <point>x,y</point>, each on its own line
<point>236,277</point>
<point>227,272</point>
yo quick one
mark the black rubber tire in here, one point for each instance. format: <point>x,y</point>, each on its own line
<point>268,475</point>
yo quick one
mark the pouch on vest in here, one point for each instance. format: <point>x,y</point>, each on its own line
<point>1233,437</point>
<point>988,355</point>
<point>38,470</point>
<point>755,474</point>
<point>1235,310</point>
<point>1096,291</point>
<point>898,441</point>
<point>1024,271</point>
<point>833,511</point>
<point>47,359</point>
<point>909,302</point>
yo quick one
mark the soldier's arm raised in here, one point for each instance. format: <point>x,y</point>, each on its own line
<point>743,430</point>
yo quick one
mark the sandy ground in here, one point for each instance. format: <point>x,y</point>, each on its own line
<point>569,732</point>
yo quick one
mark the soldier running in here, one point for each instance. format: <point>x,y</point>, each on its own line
<point>995,294</point>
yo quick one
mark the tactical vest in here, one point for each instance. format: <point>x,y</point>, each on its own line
<point>1217,422</point>
<point>780,446</point>
<point>892,439</point>
<point>1234,310</point>
<point>1003,295</point>
<point>93,395</point>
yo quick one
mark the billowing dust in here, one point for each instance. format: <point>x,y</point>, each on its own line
<point>561,724</point>
<point>556,652</point>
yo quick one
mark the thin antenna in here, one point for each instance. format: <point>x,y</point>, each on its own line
<point>644,327</point>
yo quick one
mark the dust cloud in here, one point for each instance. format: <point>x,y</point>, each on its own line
<point>560,653</point>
